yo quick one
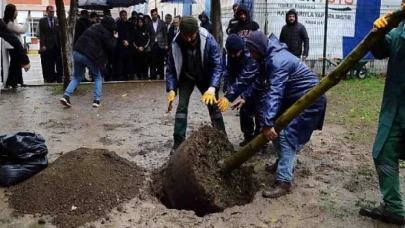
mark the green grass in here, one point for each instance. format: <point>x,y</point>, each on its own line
<point>355,103</point>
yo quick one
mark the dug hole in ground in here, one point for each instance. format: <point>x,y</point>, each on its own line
<point>334,173</point>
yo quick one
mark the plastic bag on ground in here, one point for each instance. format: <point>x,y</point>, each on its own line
<point>22,155</point>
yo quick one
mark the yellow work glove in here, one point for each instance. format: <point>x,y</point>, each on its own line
<point>209,97</point>
<point>382,21</point>
<point>223,104</point>
<point>170,100</point>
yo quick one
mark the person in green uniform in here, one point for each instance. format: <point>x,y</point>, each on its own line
<point>389,145</point>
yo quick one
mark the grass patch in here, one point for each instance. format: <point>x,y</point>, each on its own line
<point>57,90</point>
<point>355,103</point>
<point>331,207</point>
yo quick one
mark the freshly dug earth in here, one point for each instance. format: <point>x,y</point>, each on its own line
<point>193,180</point>
<point>79,187</point>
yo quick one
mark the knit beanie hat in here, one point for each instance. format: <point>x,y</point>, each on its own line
<point>234,43</point>
<point>188,25</point>
<point>258,42</point>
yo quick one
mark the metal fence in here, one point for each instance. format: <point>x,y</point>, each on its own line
<point>347,25</point>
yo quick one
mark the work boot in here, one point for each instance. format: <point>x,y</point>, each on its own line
<point>280,188</point>
<point>382,214</point>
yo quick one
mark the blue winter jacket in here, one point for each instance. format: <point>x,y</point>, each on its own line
<point>282,81</point>
<point>239,75</point>
<point>211,61</point>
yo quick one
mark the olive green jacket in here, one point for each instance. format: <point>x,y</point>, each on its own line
<point>393,103</point>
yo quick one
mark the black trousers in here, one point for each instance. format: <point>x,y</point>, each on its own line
<point>249,121</point>
<point>125,67</point>
<point>51,60</point>
<point>156,61</point>
<point>14,70</point>
<point>141,65</point>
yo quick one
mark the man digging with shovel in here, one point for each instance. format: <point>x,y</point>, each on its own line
<point>389,145</point>
<point>282,80</point>
<point>194,60</point>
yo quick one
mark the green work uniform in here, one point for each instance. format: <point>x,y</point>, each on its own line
<point>389,145</point>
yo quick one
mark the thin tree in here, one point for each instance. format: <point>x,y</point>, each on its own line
<point>216,22</point>
<point>66,29</point>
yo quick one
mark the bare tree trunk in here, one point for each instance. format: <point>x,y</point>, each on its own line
<point>71,24</point>
<point>216,22</point>
<point>66,37</point>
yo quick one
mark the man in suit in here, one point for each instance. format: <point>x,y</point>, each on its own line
<point>50,47</point>
<point>158,43</point>
<point>174,28</point>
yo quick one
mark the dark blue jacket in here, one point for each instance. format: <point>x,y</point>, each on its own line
<point>238,76</point>
<point>211,61</point>
<point>282,81</point>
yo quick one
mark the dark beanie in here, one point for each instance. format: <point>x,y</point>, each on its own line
<point>234,43</point>
<point>188,25</point>
<point>258,42</point>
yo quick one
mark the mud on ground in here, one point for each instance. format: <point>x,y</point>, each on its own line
<point>333,176</point>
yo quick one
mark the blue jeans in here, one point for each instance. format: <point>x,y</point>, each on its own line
<point>286,158</point>
<point>80,62</point>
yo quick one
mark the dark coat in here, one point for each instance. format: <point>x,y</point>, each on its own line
<point>160,35</point>
<point>141,37</point>
<point>393,102</point>
<point>239,75</point>
<point>171,34</point>
<point>126,31</point>
<point>49,37</point>
<point>243,29</point>
<point>295,35</point>
<point>98,41</point>
<point>81,25</point>
<point>232,25</point>
<point>282,81</point>
<point>12,39</point>
<point>211,60</point>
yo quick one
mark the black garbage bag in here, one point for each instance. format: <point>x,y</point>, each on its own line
<point>22,155</point>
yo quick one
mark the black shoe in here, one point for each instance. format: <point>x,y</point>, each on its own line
<point>245,141</point>
<point>382,214</point>
<point>280,188</point>
<point>96,104</point>
<point>65,100</point>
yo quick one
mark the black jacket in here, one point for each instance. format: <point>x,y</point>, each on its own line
<point>97,42</point>
<point>243,29</point>
<point>49,37</point>
<point>12,39</point>
<point>126,31</point>
<point>232,25</point>
<point>81,25</point>
<point>171,34</point>
<point>295,35</point>
<point>141,37</point>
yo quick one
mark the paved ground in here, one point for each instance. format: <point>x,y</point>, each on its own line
<point>34,76</point>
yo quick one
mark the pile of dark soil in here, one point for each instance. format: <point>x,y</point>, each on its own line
<point>193,181</point>
<point>80,186</point>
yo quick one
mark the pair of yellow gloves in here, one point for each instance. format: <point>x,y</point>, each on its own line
<point>382,21</point>
<point>208,98</point>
